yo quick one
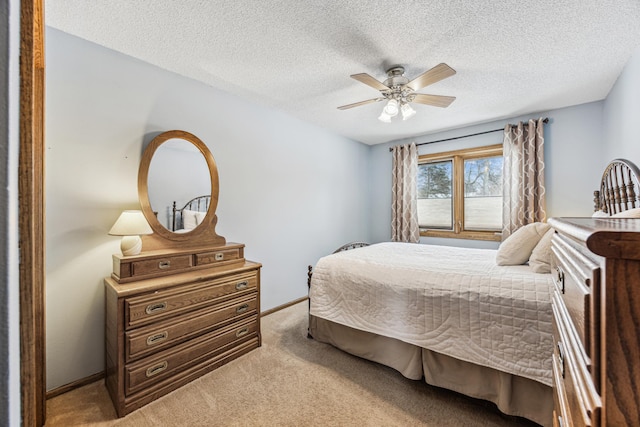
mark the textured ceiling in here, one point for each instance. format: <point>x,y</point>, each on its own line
<point>511,57</point>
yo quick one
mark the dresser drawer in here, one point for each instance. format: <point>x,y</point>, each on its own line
<point>561,412</point>
<point>161,265</point>
<point>216,257</point>
<point>152,338</point>
<point>577,280</point>
<point>144,309</point>
<point>577,399</point>
<point>153,369</point>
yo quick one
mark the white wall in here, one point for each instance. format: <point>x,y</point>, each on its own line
<point>9,274</point>
<point>573,153</point>
<point>290,191</point>
<point>621,114</point>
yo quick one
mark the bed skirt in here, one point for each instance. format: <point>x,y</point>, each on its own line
<point>513,395</point>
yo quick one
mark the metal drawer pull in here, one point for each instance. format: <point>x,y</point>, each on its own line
<point>157,338</point>
<point>163,265</point>
<point>156,369</point>
<point>242,332</point>
<point>219,256</point>
<point>242,308</point>
<point>156,307</point>
<point>560,278</point>
<point>242,285</point>
<point>561,357</point>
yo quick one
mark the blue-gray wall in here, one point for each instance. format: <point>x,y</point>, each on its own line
<point>622,115</point>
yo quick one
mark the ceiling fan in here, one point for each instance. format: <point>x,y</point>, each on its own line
<point>399,91</point>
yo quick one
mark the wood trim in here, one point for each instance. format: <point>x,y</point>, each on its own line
<point>283,306</point>
<point>491,236</point>
<point>458,194</point>
<point>31,219</point>
<point>74,385</point>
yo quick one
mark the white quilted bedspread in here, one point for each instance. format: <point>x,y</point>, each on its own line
<point>455,301</point>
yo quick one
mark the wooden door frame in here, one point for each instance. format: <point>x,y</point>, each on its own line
<point>31,213</point>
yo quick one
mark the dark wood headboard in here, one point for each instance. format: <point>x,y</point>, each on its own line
<point>618,188</point>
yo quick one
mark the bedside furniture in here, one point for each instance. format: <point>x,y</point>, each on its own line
<point>596,313</point>
<point>165,331</point>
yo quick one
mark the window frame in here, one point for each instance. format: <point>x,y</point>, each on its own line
<point>457,158</point>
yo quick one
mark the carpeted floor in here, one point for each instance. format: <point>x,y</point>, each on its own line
<point>289,381</point>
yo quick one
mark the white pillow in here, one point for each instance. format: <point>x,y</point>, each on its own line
<point>200,216</point>
<point>600,214</point>
<point>631,213</point>
<point>517,248</point>
<point>189,219</point>
<point>540,260</point>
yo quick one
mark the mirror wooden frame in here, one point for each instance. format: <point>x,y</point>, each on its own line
<point>204,234</point>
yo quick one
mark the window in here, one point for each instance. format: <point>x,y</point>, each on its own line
<point>460,193</point>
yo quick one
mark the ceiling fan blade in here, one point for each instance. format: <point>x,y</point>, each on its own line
<point>370,81</point>
<point>435,100</point>
<point>357,104</point>
<point>437,73</point>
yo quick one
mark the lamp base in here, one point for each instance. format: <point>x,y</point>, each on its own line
<point>131,245</point>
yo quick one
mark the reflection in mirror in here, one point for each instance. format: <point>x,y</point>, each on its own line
<point>178,172</point>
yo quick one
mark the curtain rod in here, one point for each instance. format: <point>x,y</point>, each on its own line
<point>545,120</point>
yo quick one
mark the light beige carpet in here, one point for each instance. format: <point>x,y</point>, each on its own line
<point>290,381</point>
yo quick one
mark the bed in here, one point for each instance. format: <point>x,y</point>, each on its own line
<point>189,216</point>
<point>474,327</point>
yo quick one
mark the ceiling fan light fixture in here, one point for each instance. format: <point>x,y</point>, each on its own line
<point>399,91</point>
<point>391,109</point>
<point>384,117</point>
<point>407,111</point>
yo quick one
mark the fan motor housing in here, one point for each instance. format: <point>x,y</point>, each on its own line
<point>396,77</point>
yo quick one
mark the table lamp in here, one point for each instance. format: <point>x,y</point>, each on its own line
<point>130,225</point>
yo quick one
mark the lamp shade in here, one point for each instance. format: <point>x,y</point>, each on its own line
<point>384,117</point>
<point>131,223</point>
<point>391,108</point>
<point>407,111</point>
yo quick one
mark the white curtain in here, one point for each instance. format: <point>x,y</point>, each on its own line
<point>523,176</point>
<point>404,222</point>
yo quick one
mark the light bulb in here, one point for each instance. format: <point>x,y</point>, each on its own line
<point>407,111</point>
<point>384,117</point>
<point>391,109</point>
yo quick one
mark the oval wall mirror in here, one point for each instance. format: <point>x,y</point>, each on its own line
<point>178,188</point>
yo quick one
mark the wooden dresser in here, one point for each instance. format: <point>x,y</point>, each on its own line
<point>596,313</point>
<point>173,315</point>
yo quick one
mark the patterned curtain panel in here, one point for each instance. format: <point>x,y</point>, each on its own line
<point>404,221</point>
<point>523,176</point>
